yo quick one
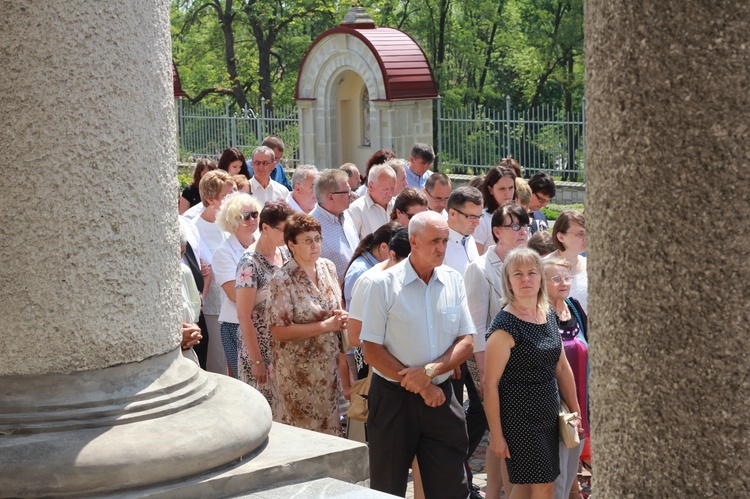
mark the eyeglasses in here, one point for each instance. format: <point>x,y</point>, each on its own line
<point>557,279</point>
<point>580,234</point>
<point>438,200</point>
<point>262,163</point>
<point>342,192</point>
<point>516,227</point>
<point>470,217</point>
<point>248,216</point>
<point>542,200</point>
<point>308,241</point>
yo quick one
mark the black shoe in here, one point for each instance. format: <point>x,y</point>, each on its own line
<point>474,492</point>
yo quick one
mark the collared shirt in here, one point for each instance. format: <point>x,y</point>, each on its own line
<point>339,238</point>
<point>368,216</point>
<point>414,321</point>
<point>483,232</point>
<point>295,206</point>
<point>461,251</point>
<point>484,287</point>
<point>274,192</point>
<point>278,174</point>
<point>415,180</point>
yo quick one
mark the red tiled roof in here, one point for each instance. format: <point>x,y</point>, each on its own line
<point>176,82</point>
<point>407,72</point>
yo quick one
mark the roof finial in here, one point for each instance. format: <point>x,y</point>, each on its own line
<point>356,17</point>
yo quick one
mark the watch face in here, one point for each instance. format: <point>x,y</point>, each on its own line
<point>429,371</point>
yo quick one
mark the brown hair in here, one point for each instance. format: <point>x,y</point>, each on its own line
<point>240,181</point>
<point>511,163</point>
<point>297,224</point>
<point>541,242</point>
<point>230,155</point>
<point>493,176</point>
<point>562,224</point>
<point>378,158</point>
<point>406,198</point>
<point>202,164</point>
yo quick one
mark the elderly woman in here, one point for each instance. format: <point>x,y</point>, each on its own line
<point>484,290</point>
<point>408,203</point>
<point>526,370</point>
<point>191,195</point>
<point>254,271</point>
<point>306,320</point>
<point>499,187</point>
<point>569,236</point>
<point>238,217</point>
<point>572,322</point>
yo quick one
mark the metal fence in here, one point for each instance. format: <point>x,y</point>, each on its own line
<point>474,138</point>
<point>206,131</point>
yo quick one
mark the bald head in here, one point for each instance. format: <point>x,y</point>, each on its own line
<point>421,221</point>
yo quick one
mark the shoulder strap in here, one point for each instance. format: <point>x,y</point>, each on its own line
<point>578,317</point>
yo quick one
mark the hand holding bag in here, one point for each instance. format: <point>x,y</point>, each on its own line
<point>568,428</point>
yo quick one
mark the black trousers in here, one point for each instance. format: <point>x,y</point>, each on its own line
<point>476,421</point>
<point>400,426</point>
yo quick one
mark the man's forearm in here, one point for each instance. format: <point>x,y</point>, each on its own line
<point>382,360</point>
<point>456,355</point>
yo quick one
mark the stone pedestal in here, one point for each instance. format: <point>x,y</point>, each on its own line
<point>95,395</point>
<point>668,153</point>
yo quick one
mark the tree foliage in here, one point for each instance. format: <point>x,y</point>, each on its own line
<point>480,50</point>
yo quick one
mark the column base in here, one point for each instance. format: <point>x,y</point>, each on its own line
<point>124,427</point>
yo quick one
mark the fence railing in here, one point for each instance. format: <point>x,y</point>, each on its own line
<point>205,131</point>
<point>470,140</point>
<point>474,138</point>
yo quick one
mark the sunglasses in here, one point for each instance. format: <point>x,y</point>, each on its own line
<point>248,216</point>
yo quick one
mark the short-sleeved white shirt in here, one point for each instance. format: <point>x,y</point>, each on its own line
<point>414,321</point>
<point>483,232</point>
<point>460,253</point>
<point>224,267</point>
<point>368,216</point>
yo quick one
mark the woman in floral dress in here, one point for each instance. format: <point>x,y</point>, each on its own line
<point>306,319</point>
<point>255,269</point>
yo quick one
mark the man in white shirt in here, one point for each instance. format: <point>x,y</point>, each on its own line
<point>465,208</point>
<point>374,208</point>
<point>302,197</point>
<point>418,167</point>
<point>438,189</point>
<point>416,329</point>
<point>262,186</point>
<point>339,235</point>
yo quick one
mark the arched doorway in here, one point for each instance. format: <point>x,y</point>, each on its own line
<point>352,118</point>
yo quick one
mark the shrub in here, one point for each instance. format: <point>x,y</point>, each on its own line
<point>552,211</point>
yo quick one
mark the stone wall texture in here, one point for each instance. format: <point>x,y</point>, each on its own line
<point>89,244</point>
<point>668,170</point>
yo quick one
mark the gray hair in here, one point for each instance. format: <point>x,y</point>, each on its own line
<point>302,173</point>
<point>183,232</point>
<point>328,182</point>
<point>397,164</point>
<point>378,170</point>
<point>263,150</point>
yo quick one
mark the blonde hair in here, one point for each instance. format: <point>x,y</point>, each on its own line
<point>523,192</point>
<point>212,184</point>
<point>230,213</point>
<point>521,256</point>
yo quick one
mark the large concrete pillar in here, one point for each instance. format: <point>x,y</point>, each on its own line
<point>94,394</point>
<point>668,171</point>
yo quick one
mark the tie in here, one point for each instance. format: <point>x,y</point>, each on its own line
<point>463,243</point>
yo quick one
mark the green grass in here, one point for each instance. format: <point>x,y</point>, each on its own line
<point>553,211</point>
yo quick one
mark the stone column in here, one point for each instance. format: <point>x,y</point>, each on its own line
<point>95,394</point>
<point>668,153</point>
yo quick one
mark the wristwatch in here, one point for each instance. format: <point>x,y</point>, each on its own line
<point>429,371</point>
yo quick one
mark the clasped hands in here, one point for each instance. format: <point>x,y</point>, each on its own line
<point>337,321</point>
<point>416,381</point>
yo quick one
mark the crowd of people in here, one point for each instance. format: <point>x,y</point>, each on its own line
<point>301,286</point>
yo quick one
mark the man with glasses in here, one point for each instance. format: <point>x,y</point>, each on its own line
<point>542,192</point>
<point>340,239</point>
<point>465,210</point>
<point>438,189</point>
<point>262,186</point>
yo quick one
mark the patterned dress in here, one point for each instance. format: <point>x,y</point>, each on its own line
<point>254,271</point>
<point>307,370</point>
<point>529,400</point>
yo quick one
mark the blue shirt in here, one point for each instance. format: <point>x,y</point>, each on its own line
<point>415,180</point>
<point>339,238</point>
<point>358,267</point>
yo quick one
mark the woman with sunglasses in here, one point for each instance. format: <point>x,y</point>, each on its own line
<point>572,323</point>
<point>255,269</point>
<point>306,320</point>
<point>484,290</point>
<point>238,216</point>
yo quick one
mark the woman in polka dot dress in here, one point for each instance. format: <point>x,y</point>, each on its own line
<point>524,363</point>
